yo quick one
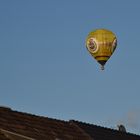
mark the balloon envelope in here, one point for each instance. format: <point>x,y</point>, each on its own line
<point>101,44</point>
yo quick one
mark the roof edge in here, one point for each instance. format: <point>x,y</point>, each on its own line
<point>106,128</point>
<point>10,134</point>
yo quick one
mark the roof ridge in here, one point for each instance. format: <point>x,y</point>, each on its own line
<point>31,114</point>
<point>105,128</point>
<point>86,123</point>
<point>5,107</point>
<point>40,116</point>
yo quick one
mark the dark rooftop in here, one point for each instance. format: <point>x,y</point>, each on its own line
<point>37,127</point>
<point>17,125</point>
<point>102,133</point>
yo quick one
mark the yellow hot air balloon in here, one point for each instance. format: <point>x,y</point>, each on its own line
<point>101,44</point>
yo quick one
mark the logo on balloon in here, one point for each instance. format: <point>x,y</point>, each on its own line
<point>92,45</point>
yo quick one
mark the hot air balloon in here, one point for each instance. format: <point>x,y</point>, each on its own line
<point>101,44</point>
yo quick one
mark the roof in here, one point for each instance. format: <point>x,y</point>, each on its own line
<point>101,133</point>
<point>37,127</point>
<point>16,125</point>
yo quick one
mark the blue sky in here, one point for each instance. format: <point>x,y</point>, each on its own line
<point>46,70</point>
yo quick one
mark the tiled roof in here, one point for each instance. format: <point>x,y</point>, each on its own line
<point>37,127</point>
<point>101,133</point>
<point>23,126</point>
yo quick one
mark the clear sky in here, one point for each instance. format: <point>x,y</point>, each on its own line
<point>45,68</point>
